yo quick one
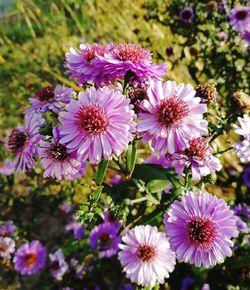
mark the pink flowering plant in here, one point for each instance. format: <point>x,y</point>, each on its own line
<point>129,181</point>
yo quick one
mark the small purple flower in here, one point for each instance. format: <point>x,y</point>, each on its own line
<point>198,156</point>
<point>58,265</point>
<point>241,225</point>
<point>7,167</point>
<point>186,15</point>
<point>187,283</point>
<point>7,247</point>
<point>50,99</point>
<point>171,116</point>
<point>98,124</point>
<point>8,229</point>
<point>66,207</point>
<point>199,229</point>
<point>58,162</point>
<point>246,176</point>
<point>30,258</point>
<point>117,179</point>
<point>242,210</point>
<point>240,18</point>
<point>77,228</point>
<point>105,238</point>
<point>246,35</point>
<point>23,142</point>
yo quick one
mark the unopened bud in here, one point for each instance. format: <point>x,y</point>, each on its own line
<point>207,93</point>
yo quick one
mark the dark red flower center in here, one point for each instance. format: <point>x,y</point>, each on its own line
<point>241,15</point>
<point>132,52</point>
<point>197,148</point>
<point>54,266</point>
<point>104,240</point>
<point>172,111</point>
<point>92,51</point>
<point>16,140</point>
<point>92,119</point>
<point>58,151</point>
<point>201,232</point>
<point>45,95</point>
<point>30,259</point>
<point>145,253</point>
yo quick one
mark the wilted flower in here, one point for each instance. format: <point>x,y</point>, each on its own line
<point>207,93</point>
<point>199,229</point>
<point>186,15</point>
<point>240,18</point>
<point>58,266</point>
<point>7,247</point>
<point>145,256</point>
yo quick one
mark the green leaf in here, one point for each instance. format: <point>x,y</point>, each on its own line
<point>131,157</point>
<point>238,262</point>
<point>102,168</point>
<point>157,185</point>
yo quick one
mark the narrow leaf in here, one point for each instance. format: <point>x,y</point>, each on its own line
<point>102,168</point>
<point>131,157</point>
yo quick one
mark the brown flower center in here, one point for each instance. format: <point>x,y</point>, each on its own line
<point>58,151</point>
<point>45,95</point>
<point>145,253</point>
<point>30,259</point>
<point>16,140</point>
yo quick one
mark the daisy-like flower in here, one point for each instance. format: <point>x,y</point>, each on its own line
<point>30,258</point>
<point>81,66</point>
<point>50,99</point>
<point>98,124</point>
<point>171,116</point>
<point>58,266</point>
<point>125,57</point>
<point>240,18</point>
<point>145,256</point>
<point>58,162</point>
<point>186,15</point>
<point>7,167</point>
<point>22,142</point>
<point>7,247</point>
<point>200,228</point>
<point>104,237</point>
<point>198,156</point>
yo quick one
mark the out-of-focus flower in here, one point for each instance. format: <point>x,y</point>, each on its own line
<point>199,229</point>
<point>117,179</point>
<point>105,238</point>
<point>50,99</point>
<point>223,36</point>
<point>171,116</point>
<point>22,142</point>
<point>78,268</point>
<point>242,210</point>
<point>77,228</point>
<point>240,18</point>
<point>186,15</point>
<point>242,226</point>
<point>246,35</point>
<point>7,247</point>
<point>58,162</point>
<point>66,207</point>
<point>8,229</point>
<point>198,156</point>
<point>58,266</point>
<point>98,124</point>
<point>187,283</point>
<point>30,258</point>
<point>205,287</point>
<point>7,167</point>
<point>207,93</point>
<point>246,176</point>
<point>241,100</point>
<point>145,255</point>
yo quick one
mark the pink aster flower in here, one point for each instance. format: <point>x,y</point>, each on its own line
<point>145,256</point>
<point>30,258</point>
<point>98,124</point>
<point>200,228</point>
<point>7,247</point>
<point>81,66</point>
<point>198,156</point>
<point>7,167</point>
<point>125,57</point>
<point>23,142</point>
<point>50,99</point>
<point>58,162</point>
<point>171,116</point>
<point>58,266</point>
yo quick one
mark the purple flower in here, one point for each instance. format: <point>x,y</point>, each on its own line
<point>7,229</point>
<point>66,207</point>
<point>186,15</point>
<point>198,156</point>
<point>81,64</point>
<point>240,18</point>
<point>246,35</point>
<point>7,167</point>
<point>187,283</point>
<point>30,258</point>
<point>242,210</point>
<point>159,160</point>
<point>205,287</point>
<point>58,162</point>
<point>125,57</point>
<point>246,176</point>
<point>50,99</point>
<point>171,116</point>
<point>58,266</point>
<point>23,142</point>
<point>199,229</point>
<point>117,179</point>
<point>77,228</point>
<point>241,225</point>
<point>105,238</point>
<point>7,247</point>
<point>145,256</point>
<point>98,124</point>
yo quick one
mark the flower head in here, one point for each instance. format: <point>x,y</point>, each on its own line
<point>7,167</point>
<point>49,98</point>
<point>198,156</point>
<point>246,35</point>
<point>58,162</point>
<point>98,124</point>
<point>77,228</point>
<point>242,210</point>
<point>7,247</point>
<point>171,117</point>
<point>58,266</point>
<point>186,15</point>
<point>22,142</point>
<point>105,238</point>
<point>30,258</point>
<point>246,176</point>
<point>240,18</point>
<point>200,228</point>
<point>8,229</point>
